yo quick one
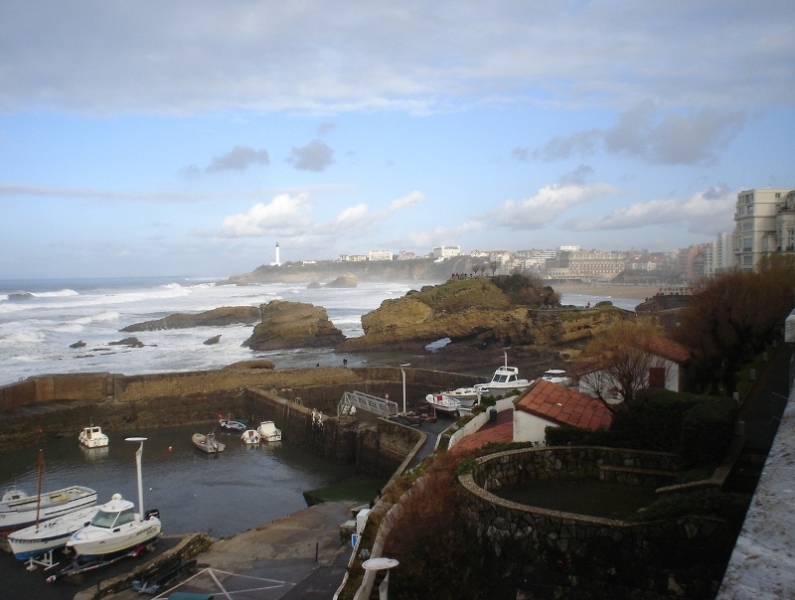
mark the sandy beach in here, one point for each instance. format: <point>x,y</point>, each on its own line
<point>632,292</point>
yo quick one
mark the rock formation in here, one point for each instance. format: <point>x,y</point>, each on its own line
<point>475,313</point>
<point>346,280</point>
<point>130,342</point>
<point>213,340</point>
<point>218,317</point>
<point>293,325</point>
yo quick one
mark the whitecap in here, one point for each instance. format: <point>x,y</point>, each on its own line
<point>65,293</point>
<point>23,337</point>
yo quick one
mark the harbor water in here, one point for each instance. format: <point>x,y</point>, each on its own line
<point>220,494</point>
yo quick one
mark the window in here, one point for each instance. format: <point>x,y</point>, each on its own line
<point>748,243</point>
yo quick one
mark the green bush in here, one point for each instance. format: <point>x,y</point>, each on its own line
<point>731,507</point>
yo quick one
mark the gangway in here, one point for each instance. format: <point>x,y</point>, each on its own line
<point>353,401</point>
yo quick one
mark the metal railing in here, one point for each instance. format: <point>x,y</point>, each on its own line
<point>353,401</point>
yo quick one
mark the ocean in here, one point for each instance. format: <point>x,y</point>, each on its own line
<point>40,319</point>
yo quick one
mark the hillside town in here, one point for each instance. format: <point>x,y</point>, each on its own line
<point>764,223</point>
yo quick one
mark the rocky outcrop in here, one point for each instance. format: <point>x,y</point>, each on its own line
<point>130,342</point>
<point>293,325</point>
<point>346,280</point>
<point>213,340</point>
<point>474,313</point>
<point>251,365</point>
<point>218,317</point>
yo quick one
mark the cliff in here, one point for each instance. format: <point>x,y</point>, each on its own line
<point>293,325</point>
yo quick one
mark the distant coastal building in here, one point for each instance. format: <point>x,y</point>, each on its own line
<point>719,255</point>
<point>446,252</point>
<point>380,255</point>
<point>353,257</point>
<point>590,265</point>
<point>405,255</point>
<point>764,223</point>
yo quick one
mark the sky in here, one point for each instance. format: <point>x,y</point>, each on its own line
<point>189,137</point>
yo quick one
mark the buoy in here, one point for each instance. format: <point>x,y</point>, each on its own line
<point>169,448</point>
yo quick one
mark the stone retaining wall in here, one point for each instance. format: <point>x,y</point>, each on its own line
<point>552,554</point>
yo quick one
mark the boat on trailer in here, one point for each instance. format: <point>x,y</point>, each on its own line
<point>504,380</point>
<point>36,543</point>
<point>18,510</point>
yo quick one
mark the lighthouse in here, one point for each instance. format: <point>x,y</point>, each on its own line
<point>277,263</point>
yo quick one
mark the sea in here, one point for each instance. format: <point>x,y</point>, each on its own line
<point>242,487</point>
<point>42,319</point>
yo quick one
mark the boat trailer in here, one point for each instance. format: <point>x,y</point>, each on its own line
<point>80,566</point>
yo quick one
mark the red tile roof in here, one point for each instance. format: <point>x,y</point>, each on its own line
<point>564,406</point>
<point>500,432</point>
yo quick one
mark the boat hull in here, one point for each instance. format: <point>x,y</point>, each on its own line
<point>34,541</point>
<point>17,514</point>
<point>207,444</point>
<point>92,543</point>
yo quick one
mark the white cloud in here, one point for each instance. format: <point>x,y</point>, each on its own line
<point>412,199</point>
<point>283,216</point>
<point>710,212</point>
<point>548,204</point>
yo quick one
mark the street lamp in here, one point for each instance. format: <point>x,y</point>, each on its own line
<point>381,563</point>
<point>403,373</point>
<point>138,454</point>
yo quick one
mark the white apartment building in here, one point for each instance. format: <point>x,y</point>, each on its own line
<point>760,218</point>
<point>719,255</point>
<point>446,251</point>
<point>380,255</point>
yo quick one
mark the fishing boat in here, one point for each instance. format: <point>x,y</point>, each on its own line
<point>504,380</point>
<point>116,527</point>
<point>268,432</point>
<point>556,376</point>
<point>443,403</point>
<point>43,538</point>
<point>250,436</point>
<point>207,443</point>
<point>18,510</point>
<point>92,437</point>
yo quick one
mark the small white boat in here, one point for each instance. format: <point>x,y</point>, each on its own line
<point>250,436</point>
<point>233,425</point>
<point>208,443</point>
<point>92,437</point>
<point>268,432</point>
<point>444,403</point>
<point>18,510</point>
<point>504,380</point>
<point>556,376</point>
<point>36,540</point>
<point>115,527</point>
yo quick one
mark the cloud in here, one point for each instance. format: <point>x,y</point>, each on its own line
<point>548,204</point>
<point>654,135</point>
<point>286,215</point>
<point>315,156</point>
<point>519,153</point>
<point>201,56</point>
<point>710,211</point>
<point>412,199</point>
<point>238,158</point>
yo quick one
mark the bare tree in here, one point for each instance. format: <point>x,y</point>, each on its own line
<point>616,364</point>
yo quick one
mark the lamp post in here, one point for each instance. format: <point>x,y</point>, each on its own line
<point>403,373</point>
<point>381,563</point>
<point>138,454</point>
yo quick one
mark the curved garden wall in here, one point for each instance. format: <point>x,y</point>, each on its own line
<point>551,554</point>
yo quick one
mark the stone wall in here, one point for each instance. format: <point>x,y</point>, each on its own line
<point>551,554</point>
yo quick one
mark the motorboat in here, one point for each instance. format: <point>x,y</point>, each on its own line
<point>504,380</point>
<point>268,432</point>
<point>92,437</point>
<point>233,425</point>
<point>19,510</point>
<point>114,528</point>
<point>556,376</point>
<point>208,443</point>
<point>36,540</point>
<point>444,403</point>
<point>250,436</point>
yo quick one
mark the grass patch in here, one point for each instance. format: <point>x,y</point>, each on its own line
<point>357,490</point>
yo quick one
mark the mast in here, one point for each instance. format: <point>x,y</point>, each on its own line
<point>38,488</point>
<point>138,455</point>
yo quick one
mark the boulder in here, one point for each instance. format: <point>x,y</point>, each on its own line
<point>293,325</point>
<point>218,317</point>
<point>130,342</point>
<point>346,280</point>
<point>213,340</point>
<point>80,344</point>
<point>251,365</point>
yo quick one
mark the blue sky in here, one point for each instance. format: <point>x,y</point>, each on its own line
<point>189,137</point>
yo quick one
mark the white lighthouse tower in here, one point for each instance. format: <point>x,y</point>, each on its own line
<point>277,262</point>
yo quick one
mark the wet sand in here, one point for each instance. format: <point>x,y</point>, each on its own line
<point>631,292</point>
